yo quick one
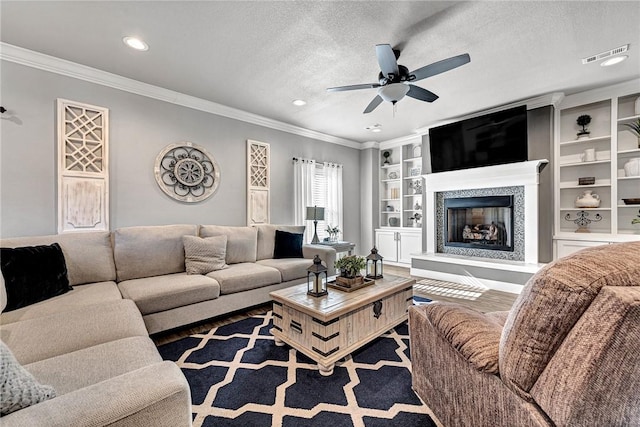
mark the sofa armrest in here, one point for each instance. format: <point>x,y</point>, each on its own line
<point>473,334</point>
<point>327,255</point>
<point>156,395</point>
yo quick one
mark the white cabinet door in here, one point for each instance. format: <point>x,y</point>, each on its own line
<point>409,243</point>
<point>567,247</point>
<point>387,245</point>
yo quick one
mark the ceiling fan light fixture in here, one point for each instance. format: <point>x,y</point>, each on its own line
<point>393,92</point>
<point>135,43</point>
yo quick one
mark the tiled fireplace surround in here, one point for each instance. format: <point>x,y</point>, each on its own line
<point>502,270</point>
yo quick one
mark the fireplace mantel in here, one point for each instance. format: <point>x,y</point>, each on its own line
<point>522,174</point>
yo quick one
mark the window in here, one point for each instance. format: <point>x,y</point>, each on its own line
<point>318,184</point>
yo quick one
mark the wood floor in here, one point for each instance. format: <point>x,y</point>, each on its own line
<point>479,298</point>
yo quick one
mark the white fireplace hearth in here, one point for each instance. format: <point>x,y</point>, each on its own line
<point>479,263</point>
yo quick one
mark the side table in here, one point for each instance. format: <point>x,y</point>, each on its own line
<point>340,246</point>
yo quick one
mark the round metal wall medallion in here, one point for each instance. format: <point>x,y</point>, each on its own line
<point>187,172</point>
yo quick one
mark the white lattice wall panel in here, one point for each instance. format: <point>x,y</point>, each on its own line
<point>83,171</point>
<point>258,183</point>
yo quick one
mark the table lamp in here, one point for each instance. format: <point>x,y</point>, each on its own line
<point>315,214</point>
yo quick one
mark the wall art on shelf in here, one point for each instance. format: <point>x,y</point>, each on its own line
<point>83,167</point>
<point>187,172</point>
<point>258,182</point>
<point>415,171</point>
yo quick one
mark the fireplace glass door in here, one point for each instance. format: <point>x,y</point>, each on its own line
<point>479,222</point>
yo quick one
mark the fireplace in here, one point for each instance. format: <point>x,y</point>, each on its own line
<point>479,222</point>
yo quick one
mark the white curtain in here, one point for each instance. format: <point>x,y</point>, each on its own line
<point>333,210</point>
<point>303,179</point>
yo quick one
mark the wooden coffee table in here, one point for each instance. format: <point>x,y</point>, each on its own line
<point>328,328</point>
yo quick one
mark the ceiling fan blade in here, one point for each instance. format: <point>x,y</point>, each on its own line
<point>387,60</point>
<point>373,104</point>
<point>353,87</point>
<point>422,94</point>
<point>440,67</point>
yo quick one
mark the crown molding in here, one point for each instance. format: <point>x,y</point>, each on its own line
<point>369,144</point>
<point>63,67</point>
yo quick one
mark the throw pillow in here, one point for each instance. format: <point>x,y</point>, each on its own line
<point>288,245</point>
<point>33,274</point>
<point>204,255</point>
<point>18,388</point>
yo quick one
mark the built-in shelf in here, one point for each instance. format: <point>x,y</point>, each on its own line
<point>629,206</point>
<point>389,200</point>
<point>390,180</point>
<point>624,178</point>
<point>585,209</point>
<point>573,185</point>
<point>413,195</point>
<point>628,119</point>
<point>392,165</point>
<point>595,162</point>
<point>634,151</point>
<point>583,140</point>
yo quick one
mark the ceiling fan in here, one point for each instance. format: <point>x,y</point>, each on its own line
<point>394,79</point>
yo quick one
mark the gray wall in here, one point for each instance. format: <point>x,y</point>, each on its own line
<point>368,199</point>
<point>139,128</point>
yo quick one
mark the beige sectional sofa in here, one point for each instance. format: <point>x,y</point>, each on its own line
<point>92,343</point>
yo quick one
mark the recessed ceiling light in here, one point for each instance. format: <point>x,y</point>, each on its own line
<point>135,43</point>
<point>614,60</point>
<point>298,102</point>
<point>376,130</point>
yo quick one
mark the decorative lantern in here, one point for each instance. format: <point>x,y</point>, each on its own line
<point>374,265</point>
<point>317,278</point>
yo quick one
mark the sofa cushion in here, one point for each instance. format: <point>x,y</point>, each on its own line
<point>204,255</point>
<point>150,250</point>
<point>81,295</point>
<point>78,369</point>
<point>160,293</point>
<point>33,274</point>
<point>59,333</point>
<point>553,301</point>
<point>242,242</point>
<point>287,245</point>
<point>267,237</point>
<point>89,256</point>
<point>475,335</point>
<point>289,268</point>
<point>18,388</point>
<point>245,276</point>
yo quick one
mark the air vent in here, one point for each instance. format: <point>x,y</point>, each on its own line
<point>606,54</point>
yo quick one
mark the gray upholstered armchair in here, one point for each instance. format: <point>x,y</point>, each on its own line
<point>567,354</point>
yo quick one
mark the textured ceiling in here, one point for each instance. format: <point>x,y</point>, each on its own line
<point>259,56</point>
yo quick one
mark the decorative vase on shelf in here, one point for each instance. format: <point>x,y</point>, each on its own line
<point>588,199</point>
<point>632,167</point>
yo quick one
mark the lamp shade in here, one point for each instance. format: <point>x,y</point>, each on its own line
<point>393,92</point>
<point>315,213</point>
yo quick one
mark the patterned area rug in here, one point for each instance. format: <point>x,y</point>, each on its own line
<point>239,377</point>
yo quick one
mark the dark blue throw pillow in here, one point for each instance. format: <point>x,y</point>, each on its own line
<point>288,245</point>
<point>33,274</point>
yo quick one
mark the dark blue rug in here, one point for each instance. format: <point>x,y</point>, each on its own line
<point>239,377</point>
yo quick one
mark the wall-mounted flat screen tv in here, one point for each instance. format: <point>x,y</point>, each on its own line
<point>492,139</point>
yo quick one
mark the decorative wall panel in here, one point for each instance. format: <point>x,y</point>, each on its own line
<point>83,167</point>
<point>187,172</point>
<point>258,183</point>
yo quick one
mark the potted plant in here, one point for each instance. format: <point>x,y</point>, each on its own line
<point>583,121</point>
<point>333,233</point>
<point>635,128</point>
<point>350,267</point>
